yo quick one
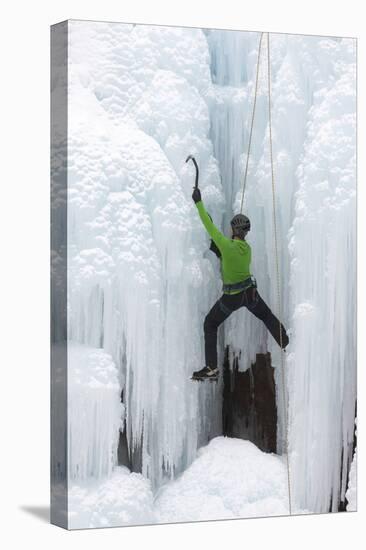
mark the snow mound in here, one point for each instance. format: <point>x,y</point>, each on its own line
<point>230,478</point>
<point>123,499</point>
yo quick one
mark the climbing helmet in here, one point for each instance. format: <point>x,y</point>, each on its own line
<point>240,222</point>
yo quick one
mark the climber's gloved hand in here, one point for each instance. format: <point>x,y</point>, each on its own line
<point>196,195</point>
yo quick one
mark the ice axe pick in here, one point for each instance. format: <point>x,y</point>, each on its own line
<point>190,157</point>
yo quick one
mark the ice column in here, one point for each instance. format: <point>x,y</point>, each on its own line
<point>322,366</point>
<point>140,281</point>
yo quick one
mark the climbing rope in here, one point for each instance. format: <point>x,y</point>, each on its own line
<point>252,122</point>
<point>279,301</point>
<point>285,406</point>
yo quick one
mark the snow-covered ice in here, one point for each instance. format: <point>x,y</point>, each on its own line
<point>229,479</point>
<point>124,498</point>
<point>351,494</point>
<point>135,252</point>
<point>141,98</point>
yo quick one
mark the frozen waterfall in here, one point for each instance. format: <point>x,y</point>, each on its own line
<point>313,105</point>
<point>141,98</point>
<point>140,284</point>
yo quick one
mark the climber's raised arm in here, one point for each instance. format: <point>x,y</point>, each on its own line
<point>219,239</point>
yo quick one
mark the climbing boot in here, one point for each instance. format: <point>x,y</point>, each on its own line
<point>207,373</point>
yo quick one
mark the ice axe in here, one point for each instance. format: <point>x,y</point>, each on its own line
<point>190,157</point>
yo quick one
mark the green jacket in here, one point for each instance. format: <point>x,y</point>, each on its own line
<point>236,254</point>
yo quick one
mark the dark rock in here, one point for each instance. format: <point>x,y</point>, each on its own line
<point>249,403</point>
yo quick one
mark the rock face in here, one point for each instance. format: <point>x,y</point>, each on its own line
<point>249,404</point>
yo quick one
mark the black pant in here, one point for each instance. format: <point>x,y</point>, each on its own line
<point>224,307</point>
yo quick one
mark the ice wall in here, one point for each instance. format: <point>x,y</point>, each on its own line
<point>313,117</point>
<point>141,99</point>
<point>322,247</point>
<point>139,281</point>
<point>94,413</point>
<point>233,65</point>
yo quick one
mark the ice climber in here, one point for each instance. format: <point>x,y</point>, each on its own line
<point>239,286</point>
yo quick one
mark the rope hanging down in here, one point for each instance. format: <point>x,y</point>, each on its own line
<point>252,122</point>
<point>285,406</point>
<point>279,302</point>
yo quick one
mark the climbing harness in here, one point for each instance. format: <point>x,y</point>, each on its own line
<point>277,266</point>
<point>243,285</point>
